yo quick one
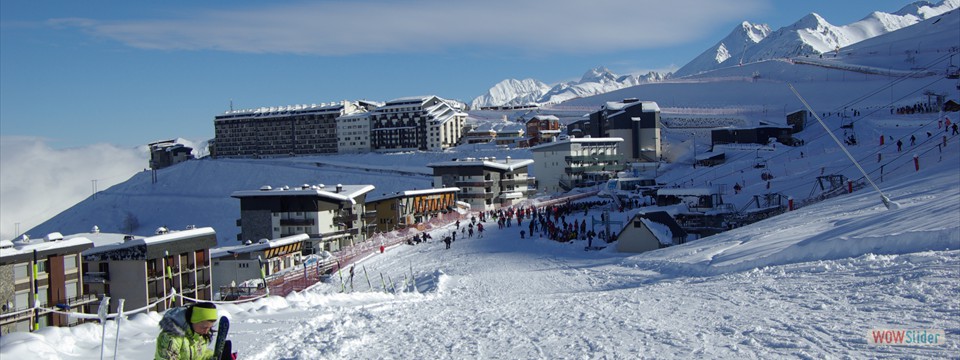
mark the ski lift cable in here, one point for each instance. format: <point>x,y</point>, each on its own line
<point>886,201</point>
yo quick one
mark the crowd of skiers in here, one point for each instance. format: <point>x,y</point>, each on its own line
<point>552,222</point>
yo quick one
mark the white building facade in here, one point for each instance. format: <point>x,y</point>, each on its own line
<point>576,162</point>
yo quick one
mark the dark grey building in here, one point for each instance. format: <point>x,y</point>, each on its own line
<point>636,122</point>
<point>334,217</point>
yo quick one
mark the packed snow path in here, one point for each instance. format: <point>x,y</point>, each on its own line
<point>501,297</point>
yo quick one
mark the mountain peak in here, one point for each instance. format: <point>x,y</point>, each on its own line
<point>599,74</point>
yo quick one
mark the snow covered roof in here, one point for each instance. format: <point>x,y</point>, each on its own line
<point>282,110</point>
<point>506,164</point>
<point>107,242</point>
<point>660,231</point>
<point>12,251</point>
<point>576,141</point>
<point>545,117</point>
<point>260,246</point>
<point>346,192</point>
<point>646,106</point>
<point>686,191</point>
<point>662,225</point>
<point>415,193</point>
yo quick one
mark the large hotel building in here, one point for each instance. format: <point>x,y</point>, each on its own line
<point>414,123</point>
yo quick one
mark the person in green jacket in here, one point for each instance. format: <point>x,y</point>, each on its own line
<point>185,332</point>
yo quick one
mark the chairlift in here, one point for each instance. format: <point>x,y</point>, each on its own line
<point>953,72</point>
<point>760,163</point>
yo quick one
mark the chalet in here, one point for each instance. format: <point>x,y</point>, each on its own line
<point>650,231</point>
<point>541,129</point>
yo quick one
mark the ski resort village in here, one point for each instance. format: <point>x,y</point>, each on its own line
<point>789,193</point>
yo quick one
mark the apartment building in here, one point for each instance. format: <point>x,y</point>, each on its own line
<point>144,270</point>
<point>281,131</point>
<point>426,123</point>
<point>485,183</point>
<point>333,217</point>
<point>636,122</point>
<point>576,162</point>
<point>41,274</point>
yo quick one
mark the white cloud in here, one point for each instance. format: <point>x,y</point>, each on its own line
<point>379,26</point>
<point>38,182</point>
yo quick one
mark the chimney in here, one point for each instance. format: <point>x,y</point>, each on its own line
<point>339,188</point>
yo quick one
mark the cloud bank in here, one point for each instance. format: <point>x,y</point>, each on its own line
<point>38,182</point>
<point>335,28</point>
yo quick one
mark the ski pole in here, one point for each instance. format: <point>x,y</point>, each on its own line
<point>367,276</point>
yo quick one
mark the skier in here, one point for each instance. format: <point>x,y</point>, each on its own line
<point>899,145</point>
<point>479,230</point>
<point>185,332</point>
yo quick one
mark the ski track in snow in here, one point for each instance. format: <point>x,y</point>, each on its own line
<point>518,304</point>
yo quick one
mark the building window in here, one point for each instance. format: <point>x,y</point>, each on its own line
<point>42,296</point>
<point>72,289</point>
<point>70,262</point>
<point>20,272</point>
<point>21,300</point>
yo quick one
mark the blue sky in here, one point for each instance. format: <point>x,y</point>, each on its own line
<point>128,73</point>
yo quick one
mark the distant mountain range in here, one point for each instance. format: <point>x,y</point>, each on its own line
<point>747,43</point>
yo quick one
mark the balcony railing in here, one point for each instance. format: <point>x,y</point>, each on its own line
<point>297,222</point>
<point>514,181</point>
<point>473,183</point>
<point>593,158</point>
<point>476,195</point>
<point>96,277</point>
<point>81,299</point>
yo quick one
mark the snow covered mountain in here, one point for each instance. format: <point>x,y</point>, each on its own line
<point>811,35</point>
<point>748,42</point>
<point>511,92</point>
<point>599,80</point>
